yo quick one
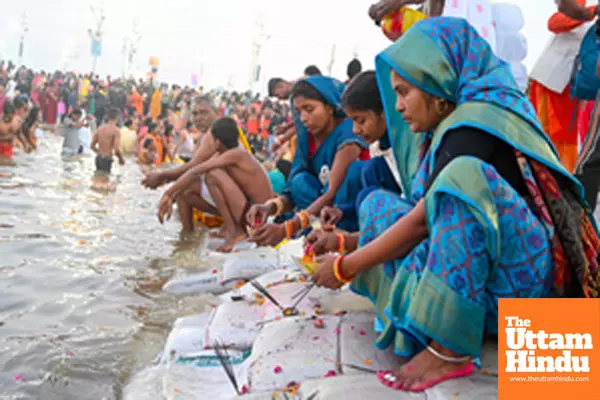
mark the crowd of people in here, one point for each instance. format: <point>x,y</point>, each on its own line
<point>438,188</point>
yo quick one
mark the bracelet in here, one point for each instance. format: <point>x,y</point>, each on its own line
<point>337,270</point>
<point>278,203</point>
<point>304,220</point>
<point>341,239</point>
<point>289,228</point>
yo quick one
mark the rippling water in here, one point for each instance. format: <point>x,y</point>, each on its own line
<point>80,272</point>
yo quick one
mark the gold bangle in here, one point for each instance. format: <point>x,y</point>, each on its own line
<point>278,204</point>
<point>304,220</point>
<point>337,270</point>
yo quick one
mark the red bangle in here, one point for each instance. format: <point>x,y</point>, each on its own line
<point>337,271</point>
<point>341,240</point>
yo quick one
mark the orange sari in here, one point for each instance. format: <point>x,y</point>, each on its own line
<point>557,113</point>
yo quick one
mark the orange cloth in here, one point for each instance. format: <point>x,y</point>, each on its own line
<point>160,150</point>
<point>560,23</point>
<point>264,131</point>
<point>6,150</point>
<point>557,113</point>
<point>136,101</point>
<point>209,221</point>
<point>253,126</point>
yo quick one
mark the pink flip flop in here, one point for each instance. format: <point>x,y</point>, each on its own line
<point>389,379</point>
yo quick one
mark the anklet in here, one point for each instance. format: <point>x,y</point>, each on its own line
<point>448,358</point>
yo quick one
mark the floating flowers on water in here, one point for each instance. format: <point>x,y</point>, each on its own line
<point>82,242</point>
<point>215,271</point>
<point>277,369</point>
<point>362,332</point>
<point>20,378</point>
<point>330,374</point>
<point>70,353</point>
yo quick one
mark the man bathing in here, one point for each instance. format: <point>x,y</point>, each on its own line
<point>234,178</point>
<point>10,130</point>
<point>106,143</point>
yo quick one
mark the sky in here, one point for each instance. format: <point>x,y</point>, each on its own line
<point>213,39</point>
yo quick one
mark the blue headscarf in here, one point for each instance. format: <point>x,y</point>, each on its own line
<point>447,58</point>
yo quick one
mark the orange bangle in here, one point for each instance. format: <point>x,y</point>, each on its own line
<point>289,228</point>
<point>337,271</point>
<point>341,243</point>
<point>304,220</point>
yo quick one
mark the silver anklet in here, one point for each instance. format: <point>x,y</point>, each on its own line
<point>448,358</point>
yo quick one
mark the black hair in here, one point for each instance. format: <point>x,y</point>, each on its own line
<point>285,167</point>
<point>189,125</point>
<point>77,111</point>
<point>148,142</point>
<point>113,114</point>
<point>362,93</point>
<point>19,102</point>
<point>354,68</point>
<point>273,82</point>
<point>306,90</point>
<point>312,70</point>
<point>152,126</point>
<point>225,130</point>
<point>31,119</point>
<point>8,108</point>
<point>148,121</point>
<point>168,128</point>
<point>128,123</point>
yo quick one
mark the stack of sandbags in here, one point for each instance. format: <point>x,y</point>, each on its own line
<point>511,44</point>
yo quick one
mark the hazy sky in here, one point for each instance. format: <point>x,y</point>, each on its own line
<point>191,36</point>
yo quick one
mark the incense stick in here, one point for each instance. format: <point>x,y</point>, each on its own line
<point>353,366</point>
<point>225,361</point>
<point>306,291</point>
<point>265,293</point>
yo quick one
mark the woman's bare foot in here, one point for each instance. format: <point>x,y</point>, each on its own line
<point>426,370</point>
<point>231,240</point>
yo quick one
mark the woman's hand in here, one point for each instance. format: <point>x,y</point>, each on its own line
<point>323,241</point>
<point>330,216</point>
<point>258,214</point>
<point>165,208</point>
<point>269,235</point>
<point>324,275</point>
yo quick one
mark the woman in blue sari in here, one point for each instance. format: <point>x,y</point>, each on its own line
<point>492,213</point>
<point>326,168</point>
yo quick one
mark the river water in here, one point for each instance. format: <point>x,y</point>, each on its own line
<point>81,308</point>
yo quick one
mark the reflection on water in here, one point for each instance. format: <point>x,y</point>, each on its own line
<point>81,268</point>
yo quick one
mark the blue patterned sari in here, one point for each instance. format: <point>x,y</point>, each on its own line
<point>309,176</point>
<point>485,242</point>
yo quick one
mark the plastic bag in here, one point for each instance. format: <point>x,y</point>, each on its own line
<point>234,324</point>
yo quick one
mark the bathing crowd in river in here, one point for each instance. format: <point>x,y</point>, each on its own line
<point>440,185</point>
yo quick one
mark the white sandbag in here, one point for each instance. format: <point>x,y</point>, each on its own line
<point>292,350</point>
<point>238,268</point>
<point>344,300</point>
<point>511,47</point>
<point>519,71</point>
<point>356,345</point>
<point>507,17</point>
<point>210,281</point>
<point>234,324</point>
<point>180,382</point>
<point>357,387</point>
<point>267,280</point>
<point>188,336</point>
<point>284,293</point>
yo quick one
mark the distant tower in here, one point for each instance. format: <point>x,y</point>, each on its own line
<point>96,34</point>
<point>259,38</point>
<point>331,60</point>
<point>24,30</point>
<point>130,47</point>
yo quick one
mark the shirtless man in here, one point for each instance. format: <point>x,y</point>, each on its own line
<point>10,130</point>
<point>106,143</point>
<point>235,181</point>
<point>204,114</point>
